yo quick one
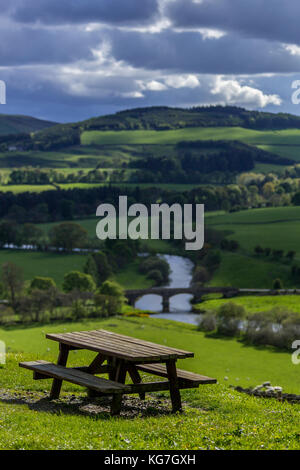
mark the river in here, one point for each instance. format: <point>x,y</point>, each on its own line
<point>180,307</point>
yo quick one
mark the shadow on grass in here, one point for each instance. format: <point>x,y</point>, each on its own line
<point>97,408</point>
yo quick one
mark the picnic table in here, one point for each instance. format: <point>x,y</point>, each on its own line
<point>117,355</point>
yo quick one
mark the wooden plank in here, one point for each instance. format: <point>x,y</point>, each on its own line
<point>120,345</point>
<point>161,371</point>
<point>136,351</point>
<point>108,351</point>
<point>159,348</point>
<point>174,385</point>
<point>96,366</point>
<point>75,376</point>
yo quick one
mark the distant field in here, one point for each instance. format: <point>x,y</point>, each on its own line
<point>277,228</point>
<point>254,304</point>
<point>242,271</point>
<point>287,137</point>
<point>44,263</point>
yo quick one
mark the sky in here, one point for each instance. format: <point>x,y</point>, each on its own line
<point>69,60</point>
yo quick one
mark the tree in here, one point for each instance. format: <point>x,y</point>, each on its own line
<point>8,233</point>
<point>104,270</point>
<point>200,275</point>
<point>291,255</point>
<point>258,250</point>
<point>42,283</point>
<point>81,282</point>
<point>277,284</point>
<point>31,234</point>
<point>91,268</point>
<point>68,236</point>
<point>12,278</point>
<point>109,299</point>
<point>156,276</point>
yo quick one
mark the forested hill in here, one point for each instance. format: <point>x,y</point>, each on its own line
<point>164,118</point>
<point>17,124</point>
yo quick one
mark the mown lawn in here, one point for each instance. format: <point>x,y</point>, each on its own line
<point>215,417</point>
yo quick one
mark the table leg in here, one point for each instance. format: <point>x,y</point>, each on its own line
<point>121,370</point>
<point>62,361</point>
<point>174,386</point>
<point>116,404</point>
<point>136,378</point>
<point>112,365</point>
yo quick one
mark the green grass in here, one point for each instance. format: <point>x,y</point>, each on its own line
<point>44,264</point>
<point>243,271</point>
<point>276,228</point>
<point>254,304</point>
<point>214,417</point>
<point>131,278</point>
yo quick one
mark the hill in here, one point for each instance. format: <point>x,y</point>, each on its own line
<point>165,118</point>
<point>17,124</point>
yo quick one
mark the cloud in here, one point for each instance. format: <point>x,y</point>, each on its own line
<point>182,81</point>
<point>190,53</point>
<point>231,92</point>
<point>274,20</point>
<point>85,11</point>
<point>22,44</point>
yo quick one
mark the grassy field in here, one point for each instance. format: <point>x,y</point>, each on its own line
<point>45,264</point>
<point>283,142</point>
<point>215,417</point>
<point>56,265</point>
<point>254,304</point>
<point>276,228</point>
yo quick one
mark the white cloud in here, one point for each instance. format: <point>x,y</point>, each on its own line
<point>153,85</point>
<point>182,81</point>
<point>293,49</point>
<point>232,92</point>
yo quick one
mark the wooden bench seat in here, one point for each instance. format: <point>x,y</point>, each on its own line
<point>75,376</point>
<point>185,377</point>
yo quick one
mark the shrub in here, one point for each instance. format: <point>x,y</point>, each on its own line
<point>154,263</point>
<point>200,275</point>
<point>42,283</point>
<point>156,275</point>
<point>208,322</point>
<point>229,317</point>
<point>81,282</point>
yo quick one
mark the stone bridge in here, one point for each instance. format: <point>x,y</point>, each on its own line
<point>167,292</point>
<point>197,292</point>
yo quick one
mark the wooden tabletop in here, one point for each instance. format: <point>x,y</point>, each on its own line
<point>119,346</point>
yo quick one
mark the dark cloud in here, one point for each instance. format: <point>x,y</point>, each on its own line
<point>85,11</point>
<point>272,19</point>
<point>189,52</point>
<point>24,45</point>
